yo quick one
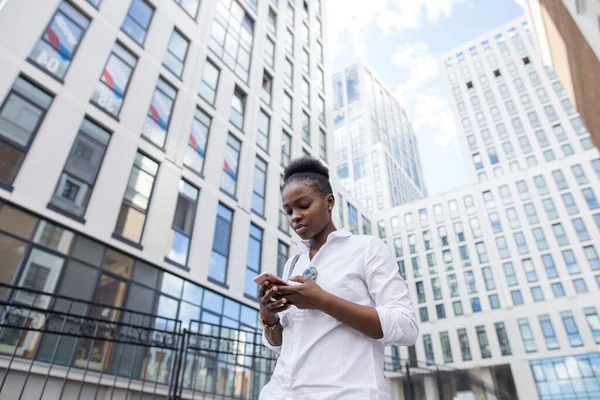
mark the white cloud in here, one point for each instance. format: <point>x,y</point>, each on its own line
<point>349,19</point>
<point>422,96</point>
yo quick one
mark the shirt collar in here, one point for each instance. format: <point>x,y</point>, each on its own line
<point>340,233</point>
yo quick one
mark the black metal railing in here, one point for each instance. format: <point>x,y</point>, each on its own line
<point>55,347</point>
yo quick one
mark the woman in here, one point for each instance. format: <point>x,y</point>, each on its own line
<point>347,302</point>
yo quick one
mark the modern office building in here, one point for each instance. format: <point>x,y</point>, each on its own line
<point>505,273</point>
<point>142,146</point>
<point>376,153</point>
<point>566,34</point>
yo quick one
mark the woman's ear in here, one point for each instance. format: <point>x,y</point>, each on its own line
<point>330,201</point>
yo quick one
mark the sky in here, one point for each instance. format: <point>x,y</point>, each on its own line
<point>401,41</point>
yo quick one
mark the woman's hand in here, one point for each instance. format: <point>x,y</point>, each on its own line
<point>306,296</point>
<point>269,307</point>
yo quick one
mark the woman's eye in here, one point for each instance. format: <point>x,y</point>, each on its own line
<point>305,206</point>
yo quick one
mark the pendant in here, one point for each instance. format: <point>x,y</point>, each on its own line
<point>310,273</point>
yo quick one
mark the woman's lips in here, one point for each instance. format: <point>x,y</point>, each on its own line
<point>301,229</point>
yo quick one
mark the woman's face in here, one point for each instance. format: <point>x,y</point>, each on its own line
<point>308,210</point>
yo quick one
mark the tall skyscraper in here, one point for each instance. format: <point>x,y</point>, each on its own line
<point>505,273</point>
<point>376,153</point>
<point>566,34</point>
<point>142,145</point>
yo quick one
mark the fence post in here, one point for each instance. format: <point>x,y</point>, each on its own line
<point>409,387</point>
<point>179,360</point>
<point>440,386</point>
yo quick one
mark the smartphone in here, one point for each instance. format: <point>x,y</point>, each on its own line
<point>273,279</point>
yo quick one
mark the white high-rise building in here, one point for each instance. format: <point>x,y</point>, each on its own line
<point>505,272</point>
<point>376,153</point>
<point>142,145</point>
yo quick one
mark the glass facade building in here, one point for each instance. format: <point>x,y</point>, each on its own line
<point>376,153</point>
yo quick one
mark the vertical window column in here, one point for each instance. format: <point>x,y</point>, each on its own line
<point>132,217</point>
<point>183,223</point>
<point>219,257</point>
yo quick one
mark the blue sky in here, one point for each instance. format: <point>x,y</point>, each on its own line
<point>401,41</point>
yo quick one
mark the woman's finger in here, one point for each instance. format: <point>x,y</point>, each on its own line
<point>263,289</point>
<point>275,305</point>
<point>266,298</point>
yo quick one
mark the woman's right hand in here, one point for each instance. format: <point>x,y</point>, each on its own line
<point>269,306</point>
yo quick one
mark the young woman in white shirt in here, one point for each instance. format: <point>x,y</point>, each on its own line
<point>347,303</point>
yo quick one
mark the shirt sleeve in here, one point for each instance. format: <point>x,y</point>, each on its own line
<point>390,295</point>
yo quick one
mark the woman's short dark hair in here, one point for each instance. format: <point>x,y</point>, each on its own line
<point>310,171</point>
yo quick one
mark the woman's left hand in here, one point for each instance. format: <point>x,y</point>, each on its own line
<point>305,296</point>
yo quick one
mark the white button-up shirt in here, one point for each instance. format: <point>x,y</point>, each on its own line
<point>321,358</point>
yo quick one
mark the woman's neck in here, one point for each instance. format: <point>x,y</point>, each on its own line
<point>319,240</point>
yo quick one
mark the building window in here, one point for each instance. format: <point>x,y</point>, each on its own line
<point>540,239</point>
<point>262,138</point>
<point>366,226</point>
<point>593,321</point>
<point>560,234</point>
<point>446,348</point>
<point>183,223</point>
<point>484,345</point>
<point>488,277</point>
<point>580,286</point>
<point>253,261</point>
<point>548,331</point>
<point>176,53</point>
<point>570,262</point>
<point>494,301</point>
<point>231,37</point>
<point>132,216</point>
<point>288,73</point>
<point>509,272</point>
<point>482,253</point>
<point>272,21</point>
<point>436,288</point>
<point>267,88</point>
<point>137,21</point>
<point>440,311</point>
<point>323,144</point>
<point>420,292</point>
<point>21,115</point>
<point>159,114</point>
<point>527,336</point>
<point>283,251</point>
<point>259,187</point>
<point>291,16</point>
<point>269,55</point>
<point>502,246</point>
<point>210,82</point>
<point>238,105</point>
<point>196,150</point>
<point>306,128</point>
<point>56,48</point>
<point>189,6</point>
<point>305,92</point>
<point>321,109</point>
<point>287,109</point>
<point>521,243</point>
<point>286,150</point>
<point>79,175</point>
<point>230,165</point>
<point>428,349</point>
<point>457,307</point>
<point>503,339</point>
<point>550,209</point>
<point>475,305</point>
<point>557,289</point>
<point>424,314</point>
<point>590,198</point>
<point>579,174</point>
<point>221,241</point>
<point>465,349</point>
<point>592,257</point>
<point>289,42</point>
<point>352,219</point>
<point>571,328</point>
<point>517,297</point>
<point>110,90</point>
<point>570,204</point>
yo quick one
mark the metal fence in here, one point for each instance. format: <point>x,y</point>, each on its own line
<point>55,347</point>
